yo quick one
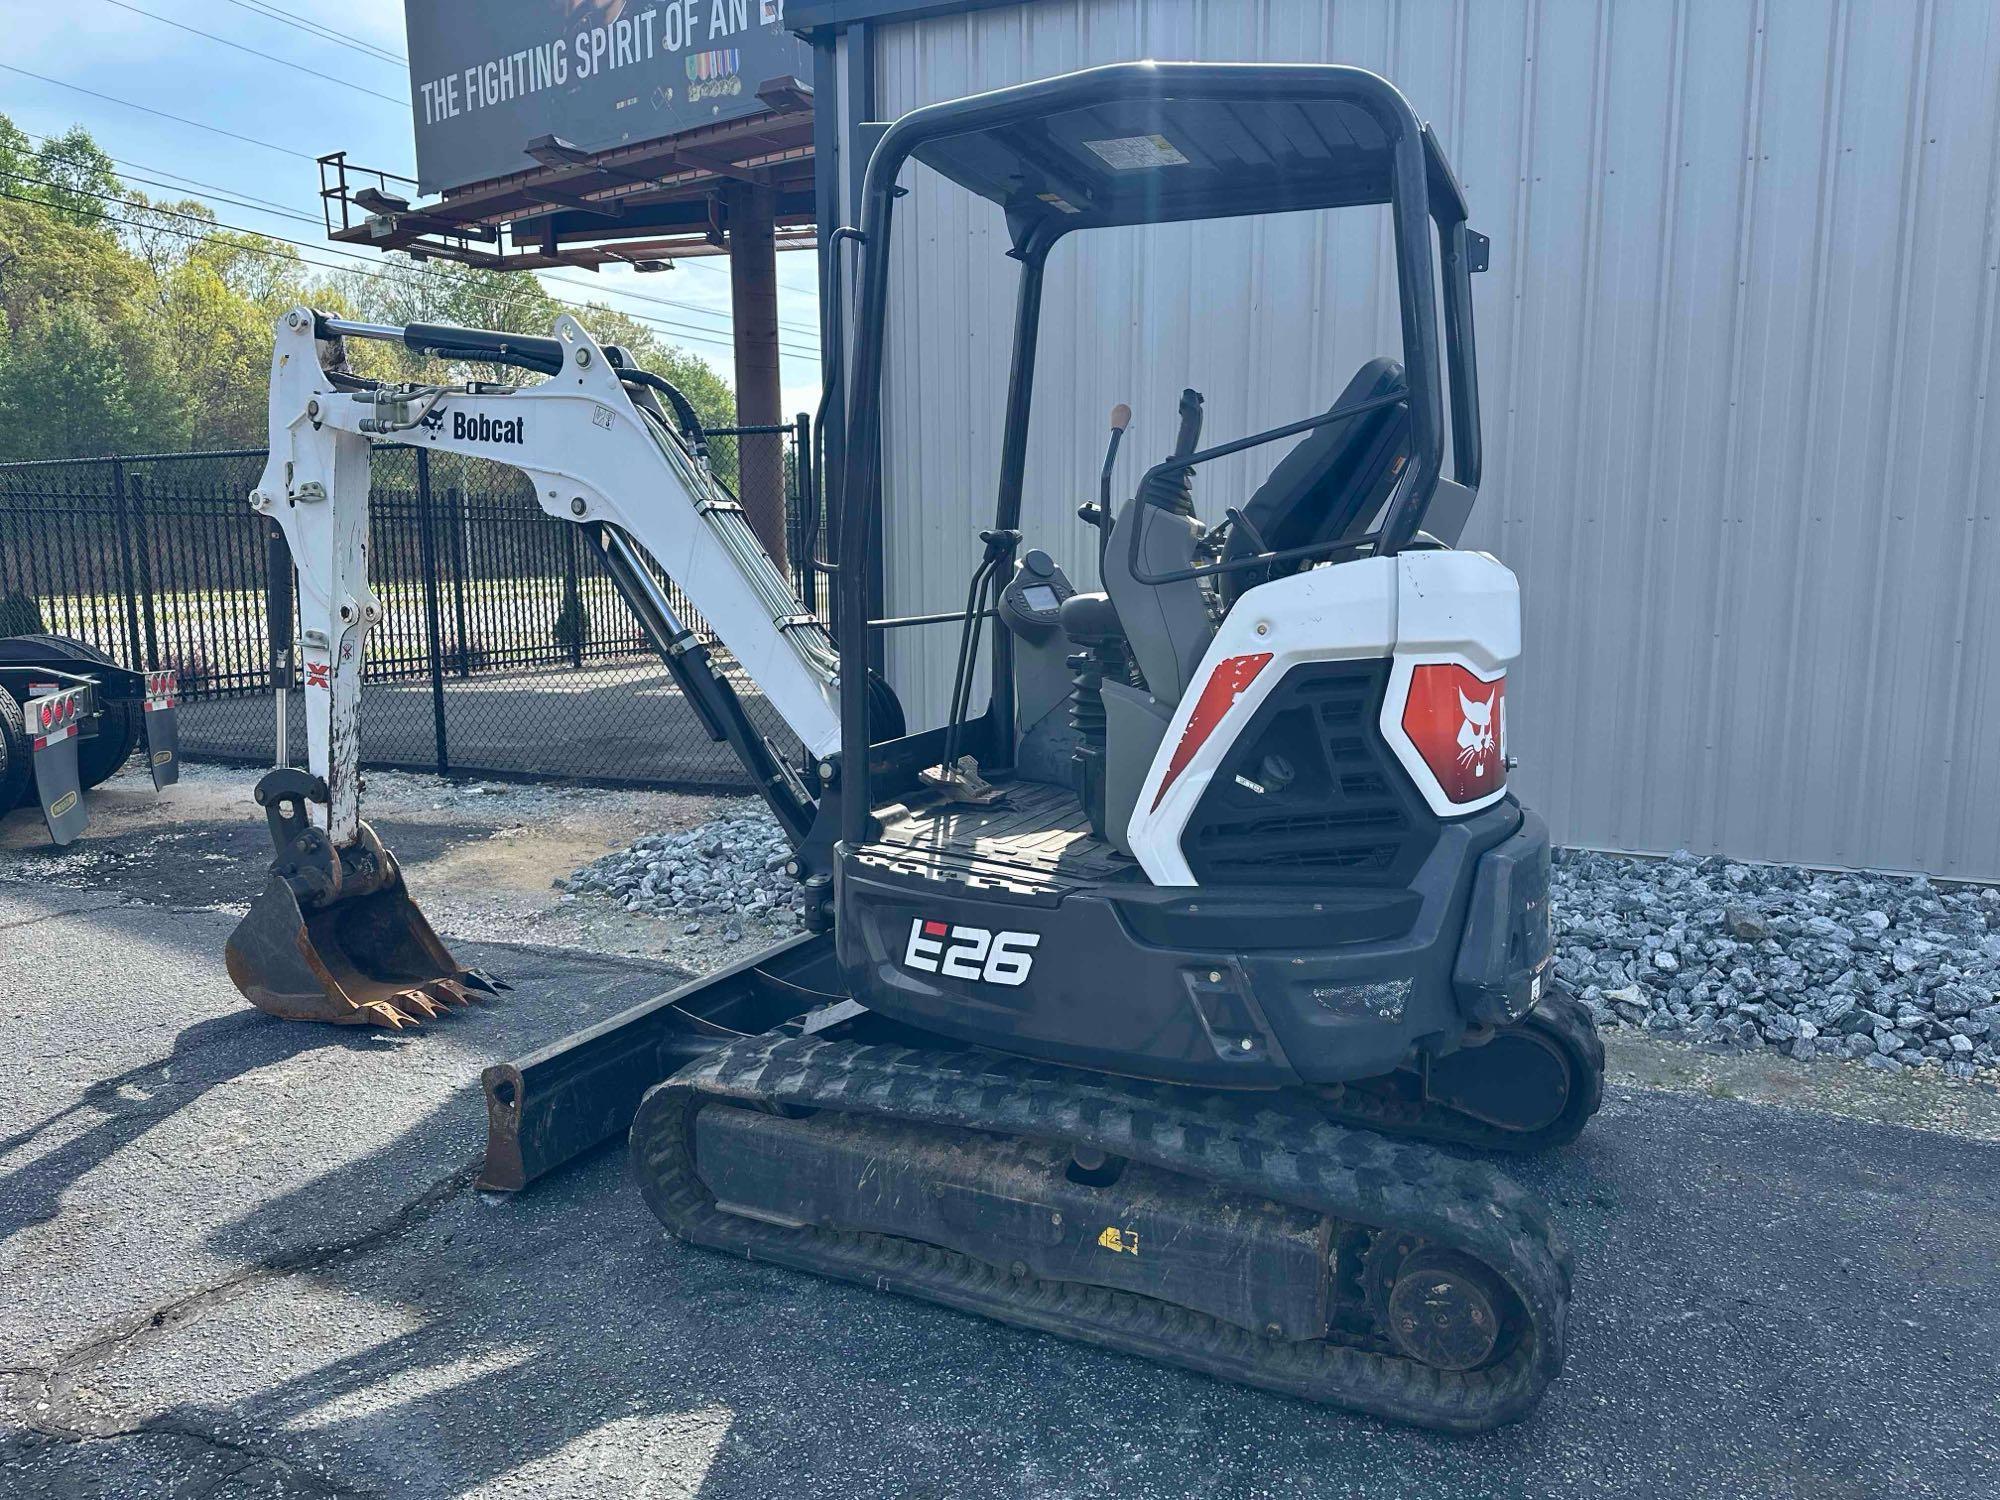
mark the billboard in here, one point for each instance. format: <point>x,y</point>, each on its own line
<point>485,79</point>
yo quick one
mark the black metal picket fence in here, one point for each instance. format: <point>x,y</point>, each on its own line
<point>503,648</point>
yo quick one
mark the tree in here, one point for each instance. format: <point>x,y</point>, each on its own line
<point>64,396</point>
<point>46,259</point>
<point>67,173</point>
<point>127,322</point>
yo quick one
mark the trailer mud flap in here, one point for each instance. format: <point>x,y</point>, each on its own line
<point>54,723</point>
<point>163,734</point>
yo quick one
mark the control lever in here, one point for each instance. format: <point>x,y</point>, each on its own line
<point>1172,490</point>
<point>1098,512</point>
<point>1190,433</point>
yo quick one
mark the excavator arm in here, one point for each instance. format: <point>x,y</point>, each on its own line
<point>596,456</point>
<point>336,936</point>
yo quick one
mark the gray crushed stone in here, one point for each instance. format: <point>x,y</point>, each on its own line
<point>715,876</point>
<point>1886,971</point>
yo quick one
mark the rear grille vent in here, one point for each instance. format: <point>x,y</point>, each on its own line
<point>1310,793</point>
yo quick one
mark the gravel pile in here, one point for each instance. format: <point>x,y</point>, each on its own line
<point>723,873</point>
<point>1894,973</point>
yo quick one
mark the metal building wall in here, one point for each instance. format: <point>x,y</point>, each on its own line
<point>1736,351</point>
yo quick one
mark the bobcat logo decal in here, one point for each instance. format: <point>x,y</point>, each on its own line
<point>1456,721</point>
<point>1475,735</point>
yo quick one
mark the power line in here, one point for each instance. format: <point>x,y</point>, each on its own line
<point>314,29</point>
<point>161,113</point>
<point>694,307</point>
<point>283,62</point>
<point>254,205</point>
<point>491,299</point>
<point>236,199</point>
<point>266,205</point>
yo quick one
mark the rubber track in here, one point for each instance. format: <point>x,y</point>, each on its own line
<point>1565,1022</point>
<point>1273,1145</point>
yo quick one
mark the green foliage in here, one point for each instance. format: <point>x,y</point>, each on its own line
<point>66,174</point>
<point>129,325</point>
<point>65,393</point>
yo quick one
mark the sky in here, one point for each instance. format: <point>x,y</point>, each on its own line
<point>309,96</point>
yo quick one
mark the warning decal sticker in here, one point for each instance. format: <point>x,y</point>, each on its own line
<point>1137,153</point>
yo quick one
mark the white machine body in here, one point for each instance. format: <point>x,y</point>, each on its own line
<point>1449,621</point>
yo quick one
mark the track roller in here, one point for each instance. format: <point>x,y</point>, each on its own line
<point>1528,1087</point>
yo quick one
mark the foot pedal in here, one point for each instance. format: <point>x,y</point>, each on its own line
<point>961,782</point>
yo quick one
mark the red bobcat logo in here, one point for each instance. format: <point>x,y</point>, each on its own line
<point>970,952</point>
<point>1459,725</point>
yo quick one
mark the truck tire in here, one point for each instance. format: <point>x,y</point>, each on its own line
<point>99,757</point>
<point>15,770</point>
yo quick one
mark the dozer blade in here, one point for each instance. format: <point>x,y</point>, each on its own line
<point>549,1107</point>
<point>369,960</point>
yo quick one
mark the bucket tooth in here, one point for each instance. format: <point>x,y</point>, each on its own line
<point>449,991</point>
<point>382,1013</point>
<point>418,1005</point>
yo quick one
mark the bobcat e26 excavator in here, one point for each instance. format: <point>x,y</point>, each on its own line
<point>1130,1000</point>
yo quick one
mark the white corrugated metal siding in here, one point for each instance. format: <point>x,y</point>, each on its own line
<point>1736,351</point>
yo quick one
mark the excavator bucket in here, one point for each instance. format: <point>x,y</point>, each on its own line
<point>367,961</point>
<point>353,950</point>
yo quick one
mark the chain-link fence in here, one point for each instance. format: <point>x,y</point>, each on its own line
<point>503,648</point>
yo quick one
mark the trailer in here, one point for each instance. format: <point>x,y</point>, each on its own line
<point>70,717</point>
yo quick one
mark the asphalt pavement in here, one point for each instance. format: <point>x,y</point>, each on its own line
<point>241,1257</point>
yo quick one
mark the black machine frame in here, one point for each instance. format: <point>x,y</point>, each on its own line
<point>1411,176</point>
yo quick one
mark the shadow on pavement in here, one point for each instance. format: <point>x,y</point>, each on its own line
<point>205,1055</point>
<point>207,862</point>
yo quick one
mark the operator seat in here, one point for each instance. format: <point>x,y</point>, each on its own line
<point>1330,485</point>
<point>1326,489</point>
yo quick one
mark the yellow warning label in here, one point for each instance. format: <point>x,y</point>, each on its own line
<point>1115,1238</point>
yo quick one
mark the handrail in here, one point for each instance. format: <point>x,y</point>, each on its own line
<point>943,617</point>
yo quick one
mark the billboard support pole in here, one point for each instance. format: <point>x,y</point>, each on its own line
<point>753,289</point>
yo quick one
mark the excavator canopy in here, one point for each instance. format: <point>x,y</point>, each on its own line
<point>1156,142</point>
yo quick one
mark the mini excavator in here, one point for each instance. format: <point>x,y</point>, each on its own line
<point>1134,1007</point>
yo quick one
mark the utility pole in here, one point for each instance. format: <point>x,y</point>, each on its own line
<point>753,290</point>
